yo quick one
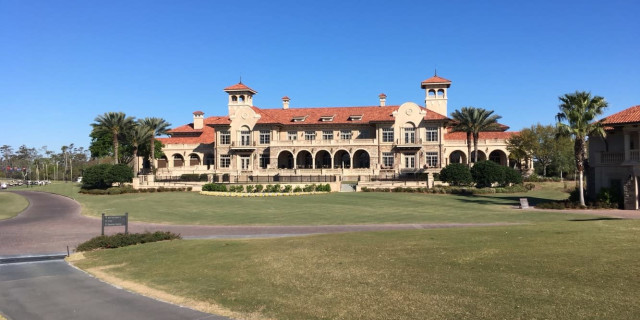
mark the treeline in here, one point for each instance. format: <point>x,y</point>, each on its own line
<point>31,163</point>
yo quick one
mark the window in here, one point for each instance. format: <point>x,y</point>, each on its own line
<point>225,161</point>
<point>387,159</point>
<point>387,134</point>
<point>432,134</point>
<point>409,160</point>
<point>326,118</point>
<point>265,136</point>
<point>292,135</point>
<point>357,117</point>
<point>432,159</point>
<point>363,134</point>
<point>327,135</point>
<point>410,136</point>
<point>245,137</point>
<point>244,162</point>
<point>299,118</point>
<point>345,134</point>
<point>225,137</point>
<point>264,160</point>
<point>309,135</point>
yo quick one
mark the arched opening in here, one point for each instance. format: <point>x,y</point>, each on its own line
<point>304,160</point>
<point>440,93</point>
<point>323,159</point>
<point>499,157</point>
<point>245,136</point>
<point>342,159</point>
<point>458,157</point>
<point>241,98</point>
<point>178,160</point>
<point>481,156</point>
<point>432,93</point>
<point>208,160</point>
<point>285,160</point>
<point>194,160</point>
<point>234,98</point>
<point>162,162</point>
<point>361,159</point>
<point>409,133</point>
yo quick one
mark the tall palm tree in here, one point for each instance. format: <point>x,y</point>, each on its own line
<point>580,110</point>
<point>463,123</point>
<point>138,135</point>
<point>473,121</point>
<point>116,123</point>
<point>157,126</point>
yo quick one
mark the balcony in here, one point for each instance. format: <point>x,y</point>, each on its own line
<point>408,144</point>
<point>618,158</point>
<point>243,145</point>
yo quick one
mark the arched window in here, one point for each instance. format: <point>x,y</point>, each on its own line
<point>194,160</point>
<point>432,93</point>
<point>242,98</point>
<point>409,133</point>
<point>234,98</point>
<point>440,93</point>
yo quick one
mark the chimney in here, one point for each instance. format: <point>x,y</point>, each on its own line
<point>285,102</point>
<point>198,120</point>
<point>383,99</point>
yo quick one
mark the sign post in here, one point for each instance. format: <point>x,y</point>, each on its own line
<point>115,221</point>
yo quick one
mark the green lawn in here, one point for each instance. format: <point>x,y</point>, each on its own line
<point>11,204</point>
<point>334,208</point>
<point>551,270</point>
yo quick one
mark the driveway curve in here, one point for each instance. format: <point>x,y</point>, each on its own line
<point>52,222</point>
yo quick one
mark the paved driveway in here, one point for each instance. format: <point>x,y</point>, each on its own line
<point>55,291</point>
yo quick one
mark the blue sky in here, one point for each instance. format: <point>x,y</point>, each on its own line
<point>62,63</point>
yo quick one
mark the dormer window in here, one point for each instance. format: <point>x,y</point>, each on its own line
<point>299,118</point>
<point>326,118</point>
<point>355,117</point>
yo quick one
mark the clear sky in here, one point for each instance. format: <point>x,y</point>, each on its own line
<point>62,63</point>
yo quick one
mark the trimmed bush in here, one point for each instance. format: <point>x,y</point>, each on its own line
<point>250,188</point>
<point>259,187</point>
<point>287,188</point>
<point>456,174</point>
<point>297,189</point>
<point>609,197</point>
<point>123,240</point>
<point>485,173</point>
<point>214,187</point>
<point>511,176</point>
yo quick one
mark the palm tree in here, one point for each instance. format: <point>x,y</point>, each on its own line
<point>473,121</point>
<point>580,109</point>
<point>464,123</point>
<point>138,135</point>
<point>116,123</point>
<point>157,126</point>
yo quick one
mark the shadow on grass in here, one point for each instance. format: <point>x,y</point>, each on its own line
<point>502,200</point>
<point>596,219</point>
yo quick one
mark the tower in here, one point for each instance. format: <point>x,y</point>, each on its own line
<point>239,96</point>
<point>436,94</point>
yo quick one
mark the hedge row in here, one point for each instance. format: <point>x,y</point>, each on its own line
<point>129,189</point>
<point>123,240</point>
<point>194,177</point>
<point>454,190</point>
<point>270,188</point>
<point>103,176</point>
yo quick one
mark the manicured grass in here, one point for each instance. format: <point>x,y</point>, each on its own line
<point>11,204</point>
<point>334,208</point>
<point>561,270</point>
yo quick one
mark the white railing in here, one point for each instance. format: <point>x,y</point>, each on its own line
<point>611,157</point>
<point>320,142</point>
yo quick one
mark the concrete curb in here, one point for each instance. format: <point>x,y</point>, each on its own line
<point>31,258</point>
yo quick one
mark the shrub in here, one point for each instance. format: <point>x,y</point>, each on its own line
<point>214,187</point>
<point>122,240</point>
<point>250,188</point>
<point>259,188</point>
<point>487,172</point>
<point>436,176</point>
<point>287,188</point>
<point>323,188</point>
<point>511,176</point>
<point>308,188</point>
<point>609,197</point>
<point>119,173</point>
<point>236,188</point>
<point>94,177</point>
<point>456,174</point>
<point>297,189</point>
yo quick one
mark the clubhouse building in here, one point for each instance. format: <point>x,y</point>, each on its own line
<point>347,143</point>
<point>614,162</point>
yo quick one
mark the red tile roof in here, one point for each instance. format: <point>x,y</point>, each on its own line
<point>186,134</point>
<point>340,115</point>
<point>285,98</point>
<point>436,79</point>
<point>198,113</point>
<point>239,87</point>
<point>628,115</point>
<point>483,135</point>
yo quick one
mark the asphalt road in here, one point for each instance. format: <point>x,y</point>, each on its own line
<point>55,291</point>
